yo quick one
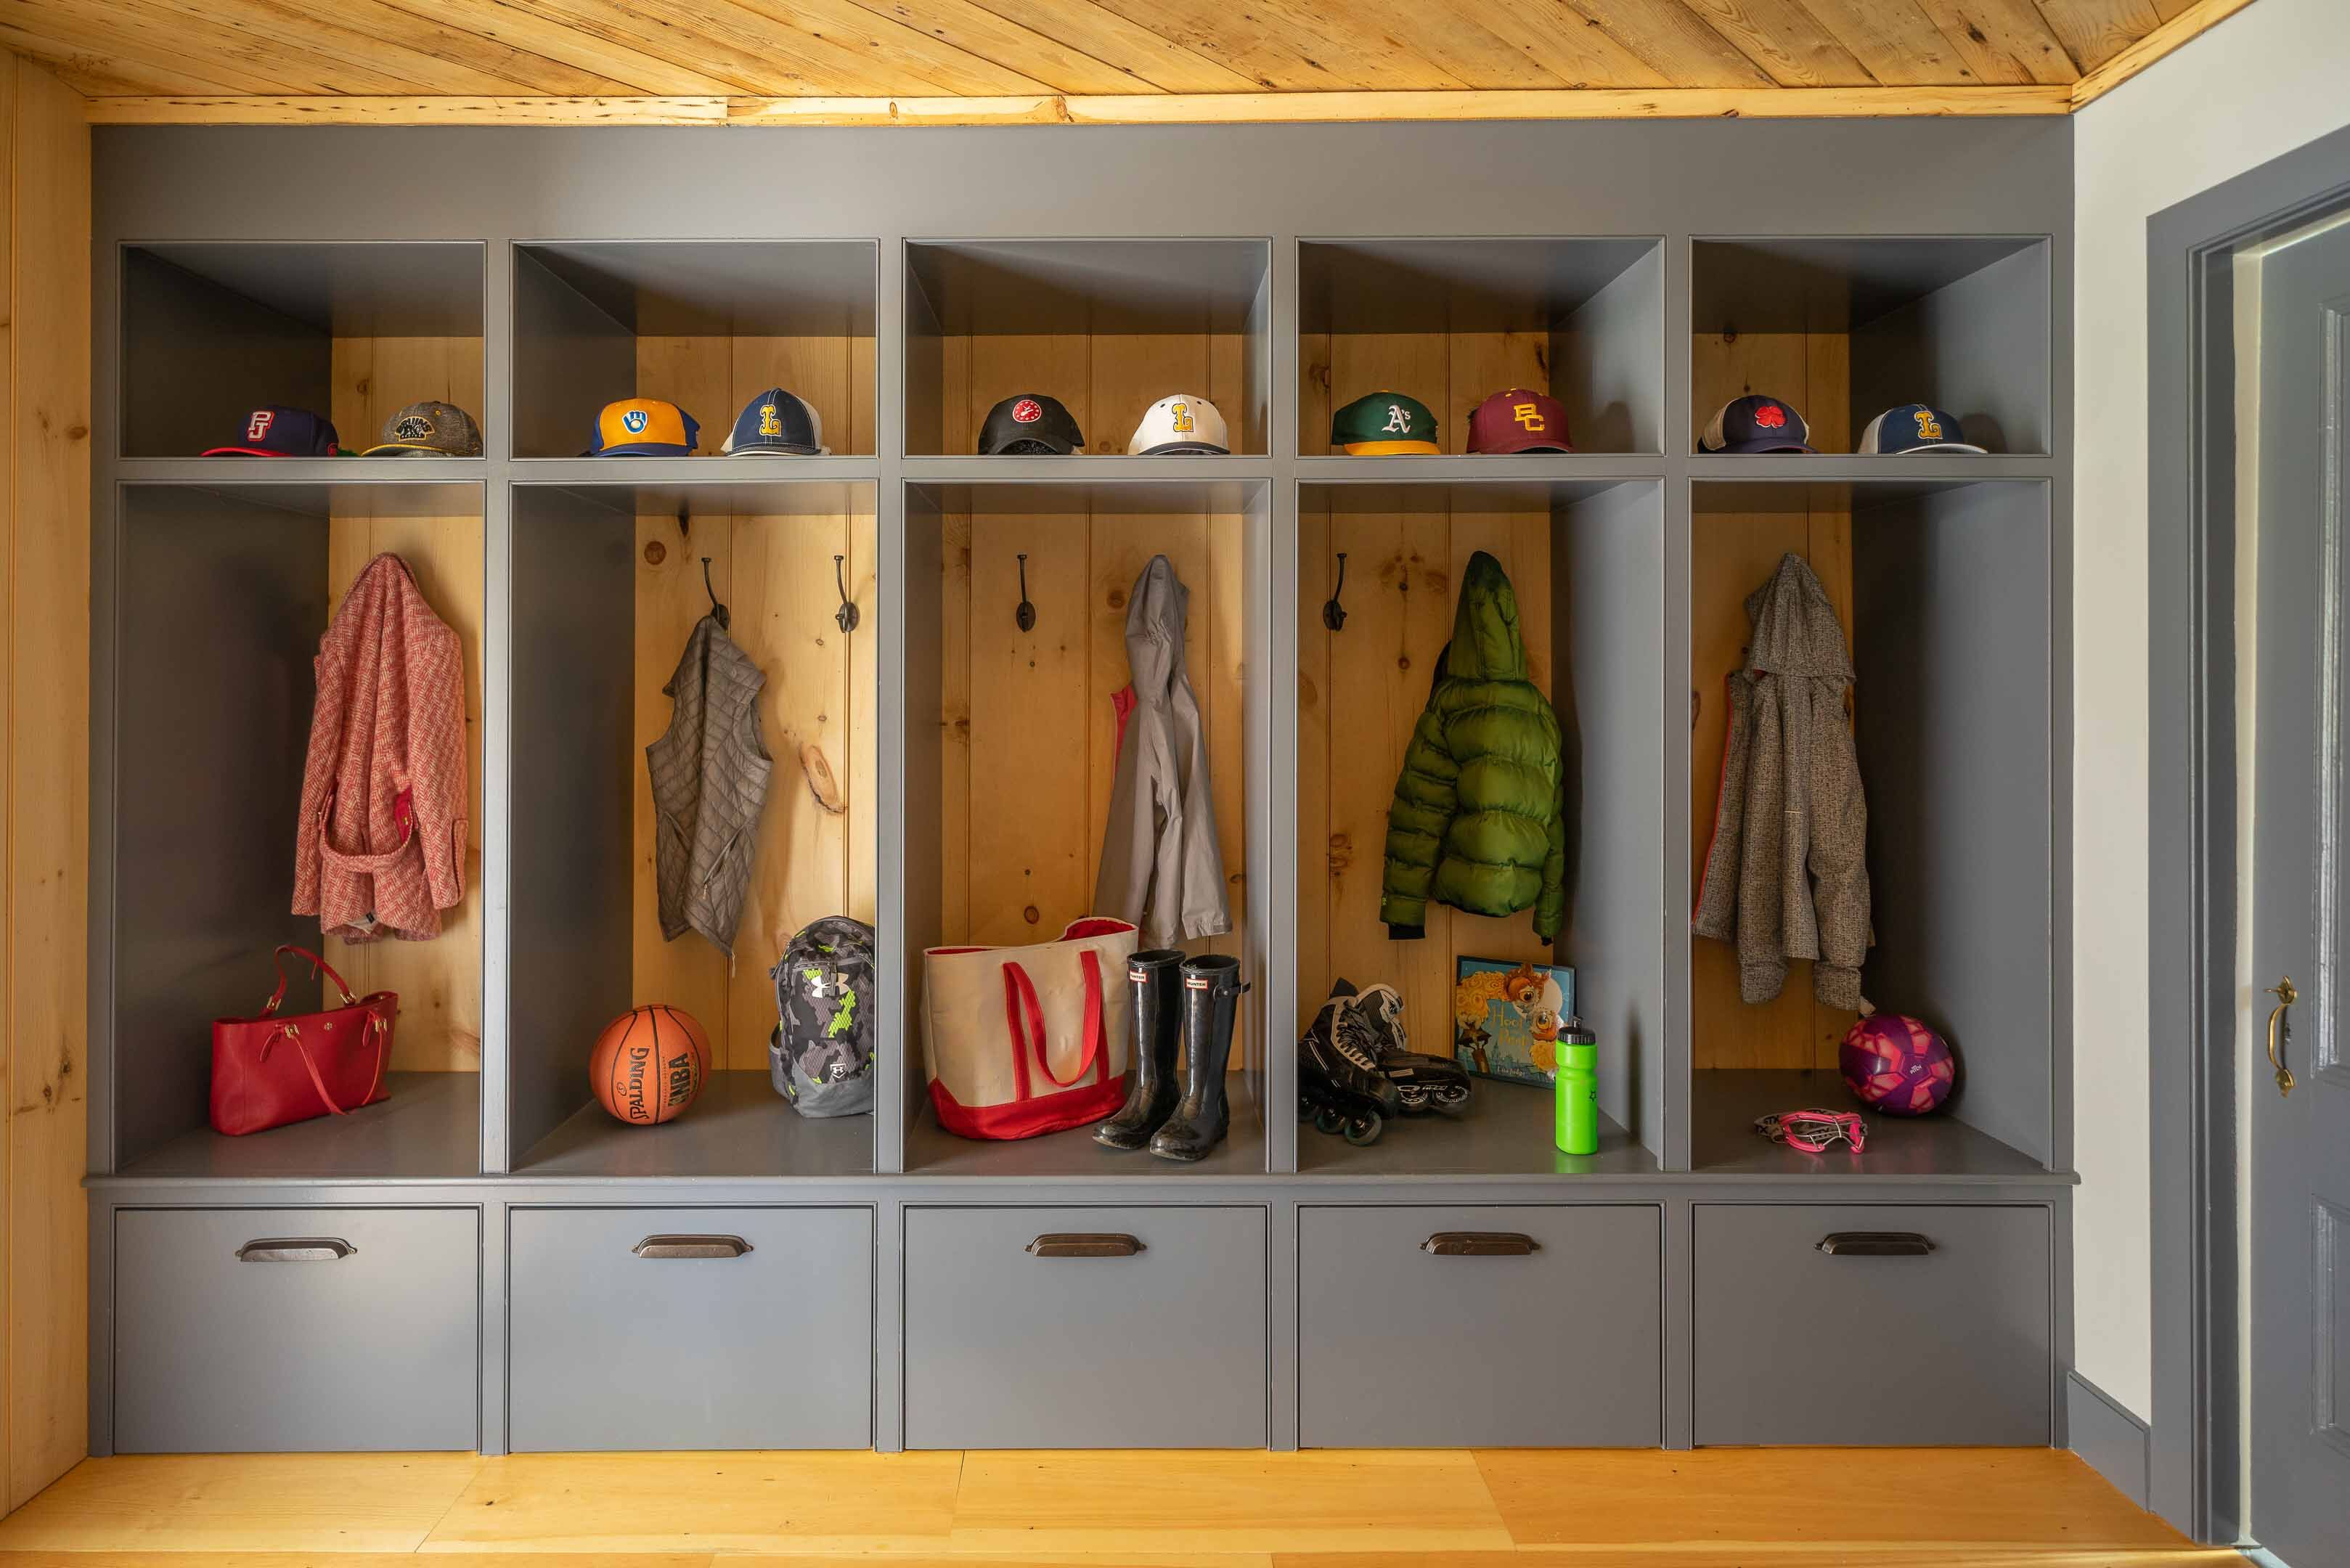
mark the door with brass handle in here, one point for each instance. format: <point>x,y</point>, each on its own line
<point>2280,1031</point>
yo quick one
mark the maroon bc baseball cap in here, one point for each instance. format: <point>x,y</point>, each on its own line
<point>1518,420</point>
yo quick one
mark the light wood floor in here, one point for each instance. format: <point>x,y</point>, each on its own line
<point>1718,1508</point>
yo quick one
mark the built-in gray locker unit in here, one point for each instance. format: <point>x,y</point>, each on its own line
<point>481,1258</point>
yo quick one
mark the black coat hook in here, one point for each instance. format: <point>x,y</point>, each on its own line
<point>1026,614</point>
<point>846,616</point>
<point>1334,614</point>
<point>717,611</point>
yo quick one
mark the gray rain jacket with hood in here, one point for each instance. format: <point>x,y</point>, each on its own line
<point>1787,877</point>
<point>1161,866</point>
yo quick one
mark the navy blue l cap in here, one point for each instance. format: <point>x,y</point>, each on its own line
<point>1913,427</point>
<point>282,432</point>
<point>776,423</point>
<point>1756,424</point>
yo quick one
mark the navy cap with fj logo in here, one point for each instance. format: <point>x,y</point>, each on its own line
<point>282,432</point>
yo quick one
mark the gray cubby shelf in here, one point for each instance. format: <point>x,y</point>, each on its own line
<point>1452,321</point>
<point>1506,1134</point>
<point>705,324</point>
<point>429,1130</point>
<point>738,1126</point>
<point>354,330</point>
<point>1945,586</point>
<point>1845,326</point>
<point>1107,325</point>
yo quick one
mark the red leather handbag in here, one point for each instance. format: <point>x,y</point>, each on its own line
<point>269,1071</point>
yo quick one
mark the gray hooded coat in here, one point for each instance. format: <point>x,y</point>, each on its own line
<point>1161,866</point>
<point>1786,876</point>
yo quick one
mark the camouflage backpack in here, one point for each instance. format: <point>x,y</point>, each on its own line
<point>820,1055</point>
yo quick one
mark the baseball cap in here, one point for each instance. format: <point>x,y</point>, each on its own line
<point>1029,424</point>
<point>429,429</point>
<point>1383,424</point>
<point>282,432</point>
<point>1912,427</point>
<point>644,427</point>
<point>1182,423</point>
<point>1756,424</point>
<point>775,423</point>
<point>1518,420</point>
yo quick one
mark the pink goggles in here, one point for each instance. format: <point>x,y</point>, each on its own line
<point>1815,1131</point>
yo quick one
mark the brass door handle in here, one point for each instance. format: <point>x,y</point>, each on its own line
<point>691,1247</point>
<point>1480,1244</point>
<point>2286,996</point>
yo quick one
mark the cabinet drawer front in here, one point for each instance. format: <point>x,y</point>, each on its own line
<point>690,1328</point>
<point>1876,1342</point>
<point>1082,1343</point>
<point>238,1330</point>
<point>1472,1342</point>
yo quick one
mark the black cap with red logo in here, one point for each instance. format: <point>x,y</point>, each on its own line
<point>1030,424</point>
<point>1756,424</point>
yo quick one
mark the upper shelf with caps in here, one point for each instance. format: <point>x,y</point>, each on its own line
<point>1099,347</point>
<point>301,349</point>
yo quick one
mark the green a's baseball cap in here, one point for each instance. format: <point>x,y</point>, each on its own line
<point>1382,424</point>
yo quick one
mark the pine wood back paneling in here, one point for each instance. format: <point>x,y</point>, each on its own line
<point>816,848</point>
<point>1731,554</point>
<point>438,983</point>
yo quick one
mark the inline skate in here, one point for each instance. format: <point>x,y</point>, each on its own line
<point>1422,1083</point>
<point>1340,1086</point>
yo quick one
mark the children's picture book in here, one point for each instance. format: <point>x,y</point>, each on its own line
<point>1507,1017</point>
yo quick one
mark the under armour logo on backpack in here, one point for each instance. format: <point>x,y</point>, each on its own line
<point>1398,419</point>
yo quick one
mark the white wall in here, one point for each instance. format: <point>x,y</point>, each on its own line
<point>2261,84</point>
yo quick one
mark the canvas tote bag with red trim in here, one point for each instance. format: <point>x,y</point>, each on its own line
<point>1026,1041</point>
<point>273,1069</point>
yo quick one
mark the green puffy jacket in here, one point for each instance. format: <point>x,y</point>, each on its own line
<point>1480,815</point>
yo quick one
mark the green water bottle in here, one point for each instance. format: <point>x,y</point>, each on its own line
<point>1577,1089</point>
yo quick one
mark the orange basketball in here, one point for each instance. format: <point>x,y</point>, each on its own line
<point>649,1064</point>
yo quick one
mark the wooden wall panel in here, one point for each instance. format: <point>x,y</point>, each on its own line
<point>1032,736</point>
<point>438,983</point>
<point>714,379</point>
<point>1363,689</point>
<point>816,851</point>
<point>1731,554</point>
<point>45,786</point>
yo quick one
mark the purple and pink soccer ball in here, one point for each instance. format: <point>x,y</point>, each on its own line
<point>1897,1065</point>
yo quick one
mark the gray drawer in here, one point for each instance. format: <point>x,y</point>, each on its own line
<point>1797,1345</point>
<point>1400,1346</point>
<point>1163,1349</point>
<point>614,1342</point>
<point>379,1348</point>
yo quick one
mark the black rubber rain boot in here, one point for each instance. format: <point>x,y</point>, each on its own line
<point>1212,1002</point>
<point>1158,1034</point>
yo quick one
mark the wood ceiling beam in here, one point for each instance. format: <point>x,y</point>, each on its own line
<point>1138,109</point>
<point>2185,27</point>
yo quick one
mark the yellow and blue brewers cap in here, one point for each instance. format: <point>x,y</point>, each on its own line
<point>644,427</point>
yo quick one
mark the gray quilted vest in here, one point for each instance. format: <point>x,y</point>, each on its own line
<point>710,780</point>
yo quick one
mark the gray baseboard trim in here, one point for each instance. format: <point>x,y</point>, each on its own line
<point>2108,1436</point>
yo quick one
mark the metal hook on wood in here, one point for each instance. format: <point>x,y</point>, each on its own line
<point>846,616</point>
<point>1026,614</point>
<point>1334,614</point>
<point>717,611</point>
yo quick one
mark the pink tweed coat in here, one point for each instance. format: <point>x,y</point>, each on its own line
<point>380,847</point>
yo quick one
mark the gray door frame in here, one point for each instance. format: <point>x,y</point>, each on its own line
<point>2194,1444</point>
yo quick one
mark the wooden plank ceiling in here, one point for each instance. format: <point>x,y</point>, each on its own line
<point>1688,56</point>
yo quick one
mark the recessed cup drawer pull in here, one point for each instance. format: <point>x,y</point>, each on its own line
<point>1875,1244</point>
<point>1082,1244</point>
<point>295,1250</point>
<point>1480,1244</point>
<point>691,1247</point>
